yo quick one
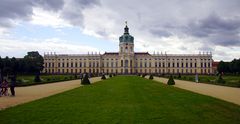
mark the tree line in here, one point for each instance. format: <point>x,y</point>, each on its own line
<point>32,63</point>
<point>232,67</point>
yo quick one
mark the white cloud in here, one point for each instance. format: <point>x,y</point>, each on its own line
<point>19,48</point>
<point>100,22</point>
<point>48,18</point>
<point>173,26</point>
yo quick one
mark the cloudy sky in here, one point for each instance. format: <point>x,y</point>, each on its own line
<point>82,26</point>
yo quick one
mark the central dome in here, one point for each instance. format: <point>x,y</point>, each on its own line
<point>126,37</point>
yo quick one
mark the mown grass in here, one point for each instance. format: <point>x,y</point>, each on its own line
<point>26,80</point>
<point>232,81</point>
<point>124,99</point>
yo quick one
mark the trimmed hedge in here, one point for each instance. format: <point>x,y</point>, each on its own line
<point>103,77</point>
<point>85,80</point>
<point>37,78</point>
<point>171,81</point>
<point>151,77</point>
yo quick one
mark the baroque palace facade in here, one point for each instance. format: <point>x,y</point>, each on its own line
<point>126,61</point>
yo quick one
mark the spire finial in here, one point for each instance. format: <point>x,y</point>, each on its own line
<point>126,28</point>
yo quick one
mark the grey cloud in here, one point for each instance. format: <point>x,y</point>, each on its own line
<point>73,10</point>
<point>217,30</point>
<point>15,10</point>
<point>160,32</point>
<point>85,3</point>
<point>206,47</point>
<point>54,5</point>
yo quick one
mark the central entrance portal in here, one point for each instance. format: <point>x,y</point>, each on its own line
<point>126,71</point>
<point>126,66</point>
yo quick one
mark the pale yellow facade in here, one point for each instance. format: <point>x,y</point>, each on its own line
<point>126,61</point>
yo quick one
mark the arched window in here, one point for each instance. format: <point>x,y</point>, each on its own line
<point>126,63</point>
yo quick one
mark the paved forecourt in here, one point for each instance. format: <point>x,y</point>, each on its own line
<point>30,93</point>
<point>230,94</point>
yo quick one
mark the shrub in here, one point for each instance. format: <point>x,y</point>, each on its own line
<point>103,77</point>
<point>48,79</point>
<point>171,81</point>
<point>208,80</point>
<point>110,75</point>
<point>75,76</point>
<point>85,80</point>
<point>163,74</point>
<point>91,75</point>
<point>151,77</point>
<point>37,78</point>
<point>179,75</point>
<point>65,78</point>
<point>143,75</point>
<point>238,85</point>
<point>220,79</point>
<point>19,82</point>
<point>184,78</point>
<point>53,78</point>
<point>190,78</point>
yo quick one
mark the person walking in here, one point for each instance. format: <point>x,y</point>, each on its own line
<point>1,88</point>
<point>5,87</point>
<point>81,76</point>
<point>12,86</point>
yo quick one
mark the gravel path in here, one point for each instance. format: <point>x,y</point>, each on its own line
<point>229,94</point>
<point>30,93</point>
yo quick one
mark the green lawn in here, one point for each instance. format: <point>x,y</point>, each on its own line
<point>124,99</point>
<point>233,81</point>
<point>26,80</point>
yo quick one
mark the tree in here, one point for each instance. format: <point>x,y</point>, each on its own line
<point>14,66</point>
<point>171,81</point>
<point>6,70</point>
<point>34,64</point>
<point>229,67</point>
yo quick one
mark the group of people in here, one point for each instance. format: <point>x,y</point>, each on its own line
<point>4,85</point>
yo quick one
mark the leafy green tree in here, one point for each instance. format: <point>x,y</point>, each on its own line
<point>6,67</point>
<point>229,67</point>
<point>34,64</point>
<point>14,66</point>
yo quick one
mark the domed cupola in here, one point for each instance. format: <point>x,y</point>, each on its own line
<point>126,37</point>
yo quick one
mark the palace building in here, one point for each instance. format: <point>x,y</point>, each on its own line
<point>126,61</point>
